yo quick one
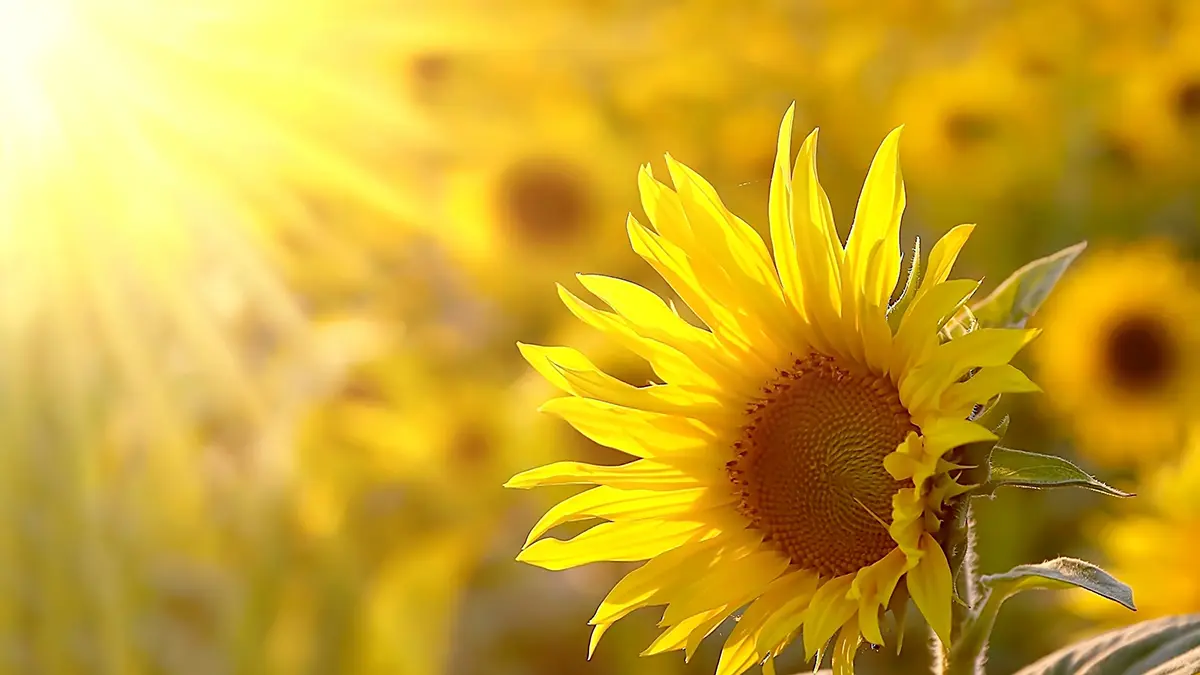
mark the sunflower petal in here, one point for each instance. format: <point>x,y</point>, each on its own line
<point>845,648</point>
<point>943,256</point>
<point>820,253</point>
<point>640,474</point>
<point>616,542</point>
<point>613,504</point>
<point>733,583</point>
<point>930,585</point>
<point>636,432</point>
<point>985,385</point>
<point>779,215</point>
<point>877,222</point>
<point>829,610</point>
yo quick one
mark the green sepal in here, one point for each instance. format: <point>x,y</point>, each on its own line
<point>1057,574</point>
<point>1018,468</point>
<point>896,311</point>
<point>1166,646</point>
<point>1022,293</point>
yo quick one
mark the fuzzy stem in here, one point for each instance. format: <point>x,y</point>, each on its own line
<point>966,657</point>
<point>969,629</point>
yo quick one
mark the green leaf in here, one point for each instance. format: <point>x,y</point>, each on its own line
<point>1058,574</point>
<point>967,653</point>
<point>1020,295</point>
<point>1168,646</point>
<point>1018,468</point>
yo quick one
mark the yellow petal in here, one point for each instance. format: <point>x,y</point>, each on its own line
<point>703,630</point>
<point>733,244</point>
<point>877,221</point>
<point>943,256</point>
<point>650,317</point>
<point>984,386</point>
<point>779,215</point>
<point>731,326</point>
<point>829,609</point>
<point>665,210</point>
<point>641,474</point>
<point>598,632</point>
<point>744,648</point>
<point>734,583</point>
<point>873,587</point>
<point>613,504</point>
<point>819,253</point>
<point>918,334</point>
<point>657,581</point>
<point>944,434</point>
<point>845,649</point>
<point>677,636</point>
<point>930,583</point>
<point>637,432</point>
<point>949,362</point>
<point>617,542</point>
<point>668,362</point>
<point>788,618</point>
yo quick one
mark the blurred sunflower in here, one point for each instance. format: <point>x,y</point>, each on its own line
<point>1120,353</point>
<point>1154,549</point>
<point>1152,121</point>
<point>148,151</point>
<point>972,123</point>
<point>527,206</point>
<point>799,454</point>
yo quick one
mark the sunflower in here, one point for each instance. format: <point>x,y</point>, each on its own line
<point>798,453</point>
<point>532,206</point>
<point>966,118</point>
<point>1121,352</point>
<point>1153,118</point>
<point>1154,550</point>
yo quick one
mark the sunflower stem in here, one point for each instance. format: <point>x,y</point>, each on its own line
<point>967,656</point>
<point>970,625</point>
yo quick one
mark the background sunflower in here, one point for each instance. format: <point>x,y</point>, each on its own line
<point>265,265</point>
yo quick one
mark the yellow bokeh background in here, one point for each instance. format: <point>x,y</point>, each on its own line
<point>264,266</point>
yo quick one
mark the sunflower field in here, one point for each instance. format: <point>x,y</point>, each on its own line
<point>599,337</point>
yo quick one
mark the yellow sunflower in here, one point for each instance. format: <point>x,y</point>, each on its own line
<point>1121,352</point>
<point>1153,117</point>
<point>966,120</point>
<point>532,206</point>
<point>798,452</point>
<point>1155,550</point>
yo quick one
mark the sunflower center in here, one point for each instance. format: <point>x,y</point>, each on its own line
<point>810,464</point>
<point>1140,354</point>
<point>544,201</point>
<point>1187,101</point>
<point>968,128</point>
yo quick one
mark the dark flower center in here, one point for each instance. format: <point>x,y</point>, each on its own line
<point>1140,354</point>
<point>810,466</point>
<point>545,201</point>
<point>967,128</point>
<point>1187,101</point>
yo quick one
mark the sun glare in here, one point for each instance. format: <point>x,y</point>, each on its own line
<point>150,151</point>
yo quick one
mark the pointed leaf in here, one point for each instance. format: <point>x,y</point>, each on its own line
<point>1167,646</point>
<point>1057,574</point>
<point>1017,468</point>
<point>1020,295</point>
